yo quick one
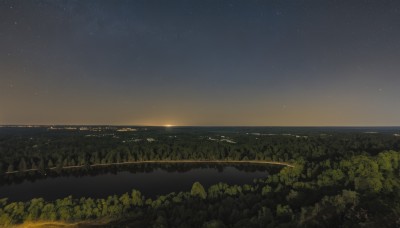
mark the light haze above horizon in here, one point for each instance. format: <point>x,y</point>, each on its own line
<point>200,63</point>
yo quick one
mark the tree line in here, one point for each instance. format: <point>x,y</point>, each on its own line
<point>337,180</point>
<point>52,151</point>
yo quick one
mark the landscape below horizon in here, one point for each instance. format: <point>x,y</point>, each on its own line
<point>115,176</point>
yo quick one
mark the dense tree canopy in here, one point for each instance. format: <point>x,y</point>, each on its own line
<point>338,179</point>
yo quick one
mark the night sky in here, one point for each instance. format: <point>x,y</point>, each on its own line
<point>200,62</point>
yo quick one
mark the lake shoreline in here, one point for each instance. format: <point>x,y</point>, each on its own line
<point>166,162</point>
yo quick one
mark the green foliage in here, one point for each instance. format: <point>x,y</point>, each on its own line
<point>331,177</point>
<point>266,189</point>
<point>284,212</point>
<point>214,224</point>
<point>364,173</point>
<point>329,209</point>
<point>137,199</point>
<point>338,179</point>
<point>198,191</point>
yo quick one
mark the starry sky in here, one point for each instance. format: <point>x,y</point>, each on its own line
<point>200,62</point>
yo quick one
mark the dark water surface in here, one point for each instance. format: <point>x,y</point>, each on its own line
<point>151,180</point>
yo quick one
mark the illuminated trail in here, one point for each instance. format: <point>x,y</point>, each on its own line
<point>169,161</point>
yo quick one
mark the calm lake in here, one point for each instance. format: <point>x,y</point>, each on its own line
<point>150,179</point>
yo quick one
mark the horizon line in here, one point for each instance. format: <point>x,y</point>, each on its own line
<point>174,126</point>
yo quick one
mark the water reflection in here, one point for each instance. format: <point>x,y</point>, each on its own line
<point>150,179</point>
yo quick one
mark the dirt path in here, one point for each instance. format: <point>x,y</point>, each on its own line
<point>58,224</point>
<point>46,224</point>
<point>169,161</point>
